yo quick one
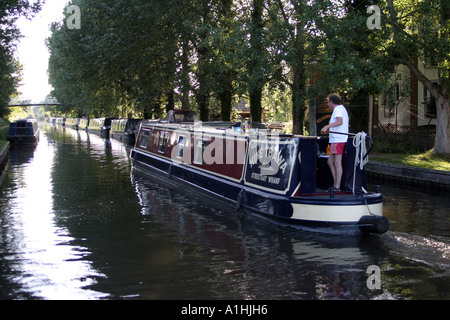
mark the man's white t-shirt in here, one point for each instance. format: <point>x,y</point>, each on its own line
<point>339,111</point>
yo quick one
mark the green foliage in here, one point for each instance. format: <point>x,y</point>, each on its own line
<point>146,56</point>
<point>136,55</point>
<point>421,31</point>
<point>10,11</point>
<point>279,101</point>
<point>4,129</point>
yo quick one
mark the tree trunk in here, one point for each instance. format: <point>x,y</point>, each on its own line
<point>203,92</point>
<point>203,101</point>
<point>226,99</point>
<point>442,142</point>
<point>299,83</point>
<point>256,61</point>
<point>255,104</point>
<point>185,81</point>
<point>298,102</point>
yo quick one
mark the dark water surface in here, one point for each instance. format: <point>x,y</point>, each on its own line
<point>76,223</point>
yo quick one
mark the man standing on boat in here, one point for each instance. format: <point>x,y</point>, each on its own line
<point>338,123</point>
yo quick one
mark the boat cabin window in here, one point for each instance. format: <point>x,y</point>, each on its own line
<point>162,143</point>
<point>199,148</point>
<point>180,150</point>
<point>144,139</point>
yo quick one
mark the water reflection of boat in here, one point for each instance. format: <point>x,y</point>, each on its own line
<point>324,266</point>
<point>23,132</point>
<point>278,176</point>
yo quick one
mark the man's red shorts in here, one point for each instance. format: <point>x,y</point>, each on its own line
<point>337,148</point>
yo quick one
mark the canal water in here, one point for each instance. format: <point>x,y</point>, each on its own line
<point>77,223</point>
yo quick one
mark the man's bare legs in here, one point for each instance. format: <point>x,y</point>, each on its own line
<point>335,164</point>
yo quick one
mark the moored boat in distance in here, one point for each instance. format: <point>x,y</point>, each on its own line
<point>125,129</point>
<point>83,124</point>
<point>60,121</point>
<point>101,126</point>
<point>121,129</point>
<point>23,132</point>
<point>72,123</point>
<point>282,177</point>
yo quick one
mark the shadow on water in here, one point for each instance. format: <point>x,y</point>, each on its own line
<point>228,255</point>
<point>114,234</point>
<point>281,263</point>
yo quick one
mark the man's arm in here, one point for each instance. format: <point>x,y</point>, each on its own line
<point>337,123</point>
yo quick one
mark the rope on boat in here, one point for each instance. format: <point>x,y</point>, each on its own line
<point>361,157</point>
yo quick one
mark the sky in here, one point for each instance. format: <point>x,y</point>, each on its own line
<point>32,52</point>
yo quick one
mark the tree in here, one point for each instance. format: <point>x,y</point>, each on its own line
<point>138,55</point>
<point>349,59</point>
<point>122,58</point>
<point>9,80</point>
<point>257,60</point>
<point>289,38</point>
<point>361,59</point>
<point>216,43</point>
<point>421,30</point>
<point>10,11</point>
<point>225,41</point>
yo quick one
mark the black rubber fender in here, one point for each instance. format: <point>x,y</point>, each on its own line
<point>374,224</point>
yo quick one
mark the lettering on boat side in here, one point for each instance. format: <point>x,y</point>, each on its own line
<point>270,163</point>
<point>267,156</point>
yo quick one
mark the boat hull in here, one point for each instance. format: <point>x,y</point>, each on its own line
<point>342,214</point>
<point>24,140</point>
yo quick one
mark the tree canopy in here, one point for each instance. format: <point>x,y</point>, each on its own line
<point>141,57</point>
<point>10,11</point>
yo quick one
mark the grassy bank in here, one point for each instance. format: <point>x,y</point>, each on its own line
<point>426,160</point>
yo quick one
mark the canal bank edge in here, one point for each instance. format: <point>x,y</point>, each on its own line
<point>4,159</point>
<point>4,154</point>
<point>424,179</point>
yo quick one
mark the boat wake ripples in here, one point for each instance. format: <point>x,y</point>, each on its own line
<point>434,252</point>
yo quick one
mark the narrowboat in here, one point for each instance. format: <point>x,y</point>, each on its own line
<point>60,121</point>
<point>282,177</point>
<point>101,126</point>
<point>23,132</point>
<point>125,129</point>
